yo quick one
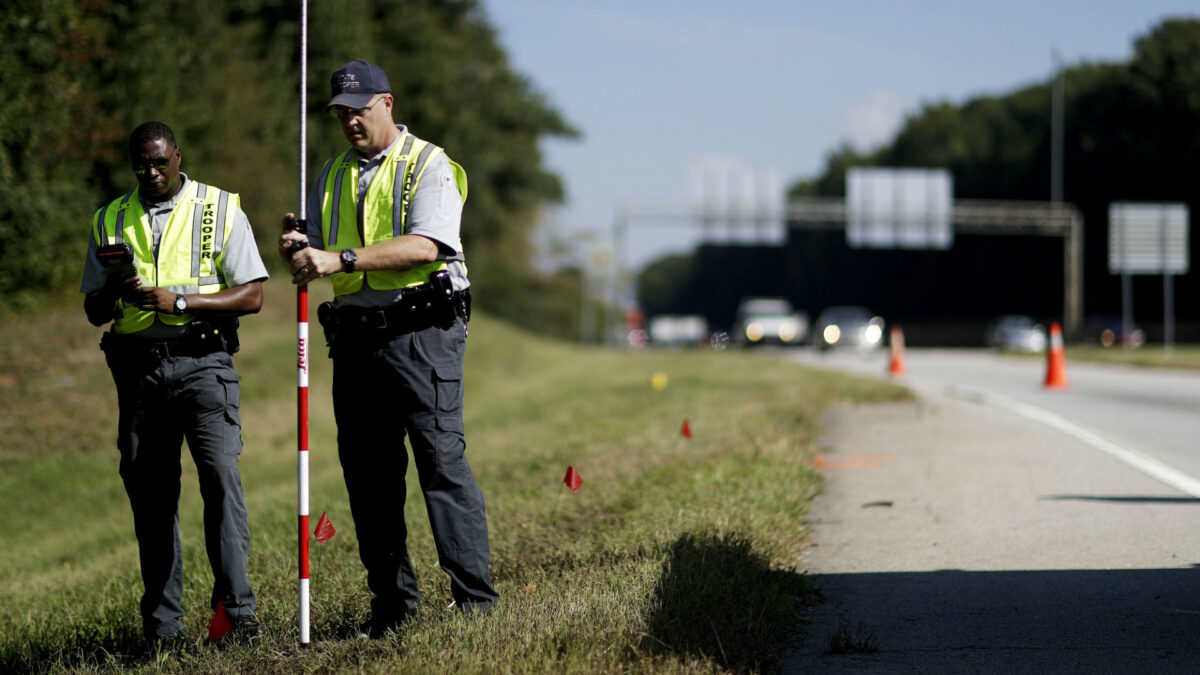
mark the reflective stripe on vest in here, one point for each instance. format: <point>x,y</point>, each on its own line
<point>191,244</point>
<point>384,213</point>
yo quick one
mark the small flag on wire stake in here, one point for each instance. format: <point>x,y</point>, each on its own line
<point>324,531</point>
<point>686,430</point>
<point>573,479</point>
<point>220,625</point>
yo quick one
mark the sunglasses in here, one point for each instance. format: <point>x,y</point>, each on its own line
<point>160,164</point>
<point>346,114</point>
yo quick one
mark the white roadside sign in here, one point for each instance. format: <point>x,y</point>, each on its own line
<point>1146,238</point>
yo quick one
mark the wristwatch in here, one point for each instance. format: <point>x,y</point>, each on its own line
<point>180,304</point>
<point>348,260</point>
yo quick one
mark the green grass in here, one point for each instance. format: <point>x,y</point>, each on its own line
<point>1149,356</point>
<point>675,556</point>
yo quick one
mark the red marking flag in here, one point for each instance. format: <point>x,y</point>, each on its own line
<point>573,479</point>
<point>324,531</point>
<point>220,626</point>
<point>686,430</point>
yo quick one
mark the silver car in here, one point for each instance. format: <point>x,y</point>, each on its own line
<point>848,326</point>
<point>1016,333</point>
<point>768,320</point>
<point>679,330</point>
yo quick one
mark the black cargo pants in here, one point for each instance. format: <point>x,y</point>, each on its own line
<point>384,389</point>
<point>162,402</point>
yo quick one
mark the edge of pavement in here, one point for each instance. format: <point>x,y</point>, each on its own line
<point>956,536</point>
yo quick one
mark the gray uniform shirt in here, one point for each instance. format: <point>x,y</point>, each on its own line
<point>239,259</point>
<point>435,213</point>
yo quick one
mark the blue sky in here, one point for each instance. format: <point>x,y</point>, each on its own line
<point>770,87</point>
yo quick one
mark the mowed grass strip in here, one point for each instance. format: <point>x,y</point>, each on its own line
<point>675,556</point>
<point>1179,357</point>
<point>1185,356</point>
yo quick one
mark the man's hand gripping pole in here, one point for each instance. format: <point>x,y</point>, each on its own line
<point>296,225</point>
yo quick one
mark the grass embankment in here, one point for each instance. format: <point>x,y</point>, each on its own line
<point>675,556</point>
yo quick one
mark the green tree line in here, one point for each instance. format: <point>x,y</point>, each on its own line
<point>224,74</point>
<point>1131,133</point>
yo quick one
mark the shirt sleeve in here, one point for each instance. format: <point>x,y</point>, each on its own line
<point>93,271</point>
<point>240,260</point>
<point>436,209</point>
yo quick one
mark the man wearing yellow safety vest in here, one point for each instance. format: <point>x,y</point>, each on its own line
<point>171,265</point>
<point>384,222</point>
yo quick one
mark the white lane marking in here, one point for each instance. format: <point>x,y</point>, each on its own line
<point>1134,458</point>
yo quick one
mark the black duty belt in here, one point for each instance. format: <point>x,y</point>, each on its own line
<point>200,341</point>
<point>421,307</point>
<point>413,312</point>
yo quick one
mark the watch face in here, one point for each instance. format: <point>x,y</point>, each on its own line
<point>180,304</point>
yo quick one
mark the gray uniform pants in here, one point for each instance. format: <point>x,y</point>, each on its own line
<point>162,402</point>
<point>384,389</point>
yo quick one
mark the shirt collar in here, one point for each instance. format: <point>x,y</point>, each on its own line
<point>170,203</point>
<point>363,160</point>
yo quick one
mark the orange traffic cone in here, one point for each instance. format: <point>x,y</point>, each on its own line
<point>1056,360</point>
<point>896,340</point>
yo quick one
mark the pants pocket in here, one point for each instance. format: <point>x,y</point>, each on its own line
<point>231,392</point>
<point>448,389</point>
<point>233,397</point>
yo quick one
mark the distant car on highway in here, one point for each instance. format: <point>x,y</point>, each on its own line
<point>848,326</point>
<point>762,320</point>
<point>1016,333</point>
<point>679,330</point>
<point>1107,331</point>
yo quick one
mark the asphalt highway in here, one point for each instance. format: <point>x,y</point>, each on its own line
<point>997,526</point>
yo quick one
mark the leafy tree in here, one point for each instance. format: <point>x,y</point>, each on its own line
<point>1139,118</point>
<point>833,180</point>
<point>80,74</point>
<point>1132,133</point>
<point>664,285</point>
<point>1164,82</point>
<point>43,147</point>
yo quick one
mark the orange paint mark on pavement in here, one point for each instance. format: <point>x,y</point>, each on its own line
<point>868,461</point>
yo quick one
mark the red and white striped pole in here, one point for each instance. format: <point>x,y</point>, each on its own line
<point>302,347</point>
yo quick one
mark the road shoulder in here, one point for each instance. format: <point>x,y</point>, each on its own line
<point>955,536</point>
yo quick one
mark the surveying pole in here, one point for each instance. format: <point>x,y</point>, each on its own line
<point>302,347</point>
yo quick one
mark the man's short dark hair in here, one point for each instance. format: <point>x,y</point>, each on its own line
<point>148,132</point>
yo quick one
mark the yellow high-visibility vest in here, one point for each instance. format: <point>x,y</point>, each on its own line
<point>385,210</point>
<point>191,244</point>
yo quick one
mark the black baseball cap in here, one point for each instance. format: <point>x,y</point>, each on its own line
<point>356,83</point>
